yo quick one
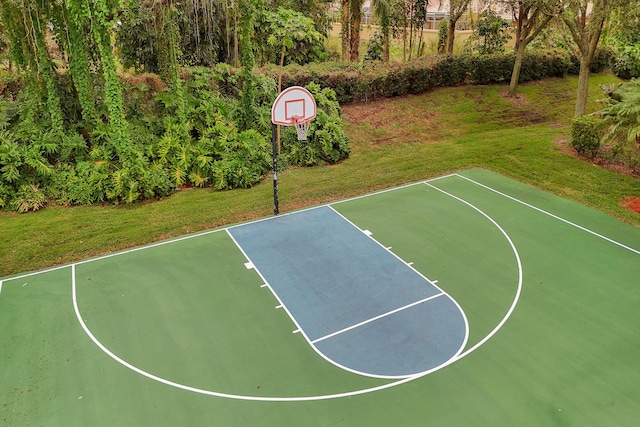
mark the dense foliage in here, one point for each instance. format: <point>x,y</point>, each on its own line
<point>77,127</point>
<point>622,116</point>
<point>76,133</point>
<point>174,142</point>
<point>490,34</point>
<point>624,36</point>
<point>210,32</point>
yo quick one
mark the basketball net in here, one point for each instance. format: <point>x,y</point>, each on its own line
<point>302,127</point>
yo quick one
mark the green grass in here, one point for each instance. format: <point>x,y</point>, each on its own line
<point>393,142</point>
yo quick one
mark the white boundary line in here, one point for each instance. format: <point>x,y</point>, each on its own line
<point>306,398</point>
<point>586,230</point>
<point>520,275</point>
<point>373,319</point>
<point>337,395</point>
<point>209,392</point>
<point>1,287</point>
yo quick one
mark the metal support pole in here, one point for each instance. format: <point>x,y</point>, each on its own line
<point>274,146</point>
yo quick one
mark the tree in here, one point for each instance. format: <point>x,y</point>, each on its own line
<point>585,21</point>
<point>406,20</point>
<point>530,18</point>
<point>382,10</point>
<point>345,33</point>
<point>247,112</point>
<point>355,18</point>
<point>418,14</point>
<point>351,20</point>
<point>287,32</point>
<point>457,8</point>
<point>490,34</point>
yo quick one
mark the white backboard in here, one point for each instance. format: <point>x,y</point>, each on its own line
<point>294,101</point>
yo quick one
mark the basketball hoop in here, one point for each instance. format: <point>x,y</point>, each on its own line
<point>295,106</point>
<point>302,126</point>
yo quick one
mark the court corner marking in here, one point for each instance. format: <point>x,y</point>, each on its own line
<point>554,216</point>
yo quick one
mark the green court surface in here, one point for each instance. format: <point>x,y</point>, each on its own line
<point>190,332</point>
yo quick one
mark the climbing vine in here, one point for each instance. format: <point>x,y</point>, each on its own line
<point>82,129</point>
<point>247,112</point>
<point>113,92</point>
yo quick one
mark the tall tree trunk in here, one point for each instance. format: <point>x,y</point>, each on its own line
<point>586,34</point>
<point>515,74</point>
<point>227,33</point>
<point>411,36</point>
<point>346,32</point>
<point>583,86</point>
<point>354,39</point>
<point>451,35</point>
<point>236,48</point>
<point>386,42</point>
<point>404,40</point>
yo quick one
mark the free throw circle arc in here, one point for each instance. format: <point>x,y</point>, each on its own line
<point>294,104</point>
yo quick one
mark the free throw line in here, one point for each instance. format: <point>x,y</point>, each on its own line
<point>373,319</point>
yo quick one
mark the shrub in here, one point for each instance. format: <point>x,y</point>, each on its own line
<point>627,64</point>
<point>375,47</point>
<point>326,140</point>
<point>586,135</point>
<point>443,29</point>
<point>622,116</point>
<point>602,60</point>
<point>363,82</point>
<point>29,197</point>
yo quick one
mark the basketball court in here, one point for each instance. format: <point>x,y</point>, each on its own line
<point>464,300</point>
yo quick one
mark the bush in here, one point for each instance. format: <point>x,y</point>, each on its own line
<point>443,36</point>
<point>363,82</point>
<point>375,47</point>
<point>627,64</point>
<point>29,197</point>
<point>490,34</point>
<point>326,140</point>
<point>586,135</point>
<point>602,60</point>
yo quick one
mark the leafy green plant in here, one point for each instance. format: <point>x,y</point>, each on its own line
<point>622,115</point>
<point>29,198</point>
<point>490,34</point>
<point>6,194</point>
<point>326,139</point>
<point>586,135</point>
<point>443,30</point>
<point>375,47</point>
<point>627,63</point>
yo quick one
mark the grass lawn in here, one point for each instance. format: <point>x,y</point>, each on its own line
<point>393,142</point>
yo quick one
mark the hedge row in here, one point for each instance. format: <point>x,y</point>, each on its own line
<point>370,80</point>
